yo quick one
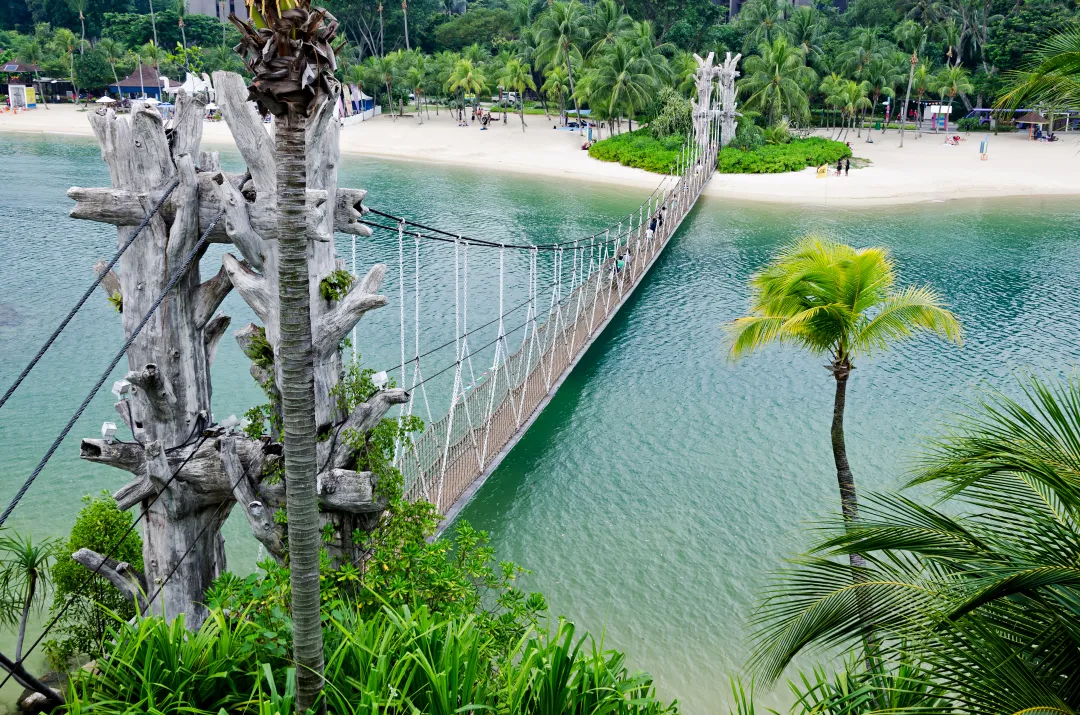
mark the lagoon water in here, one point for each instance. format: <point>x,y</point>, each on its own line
<point>663,483</point>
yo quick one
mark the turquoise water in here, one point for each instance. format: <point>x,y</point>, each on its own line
<point>663,483</point>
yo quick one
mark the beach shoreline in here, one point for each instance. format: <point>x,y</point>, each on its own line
<point>925,170</point>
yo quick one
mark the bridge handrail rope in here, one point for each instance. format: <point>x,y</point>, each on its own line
<point>86,296</point>
<point>503,401</point>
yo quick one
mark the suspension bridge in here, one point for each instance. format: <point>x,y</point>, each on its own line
<point>591,278</point>
<point>169,200</point>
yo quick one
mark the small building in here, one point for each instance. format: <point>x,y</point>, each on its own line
<point>937,113</point>
<point>143,79</point>
<point>19,80</point>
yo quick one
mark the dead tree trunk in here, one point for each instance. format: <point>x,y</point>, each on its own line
<point>168,409</point>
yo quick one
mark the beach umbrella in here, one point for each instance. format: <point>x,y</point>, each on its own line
<point>1032,118</point>
<point>105,100</point>
<point>151,101</point>
<point>211,106</point>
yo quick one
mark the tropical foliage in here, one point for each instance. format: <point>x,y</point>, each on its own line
<point>973,593</point>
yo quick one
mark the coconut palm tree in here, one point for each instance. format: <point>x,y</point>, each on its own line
<point>979,591</point>
<point>151,53</point>
<point>921,81</point>
<point>562,31</point>
<point>113,51</point>
<point>854,98</point>
<point>153,26</point>
<point>843,303</point>
<point>1054,79</point>
<point>32,51</point>
<point>80,6</point>
<point>911,37</point>
<point>287,46</point>
<point>881,75</point>
<point>607,24</point>
<point>466,78</point>
<point>763,20</point>
<point>627,79</point>
<point>517,76</point>
<point>64,42</point>
<point>181,11</point>
<point>831,87</point>
<point>557,87</point>
<point>386,68</point>
<point>220,58</point>
<point>775,80</point>
<point>950,81</point>
<point>415,77</point>
<point>405,14</point>
<point>803,29</point>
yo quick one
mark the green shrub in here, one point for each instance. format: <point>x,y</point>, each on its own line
<point>779,158</point>
<point>969,124</point>
<point>672,114</point>
<point>98,527</point>
<point>640,149</point>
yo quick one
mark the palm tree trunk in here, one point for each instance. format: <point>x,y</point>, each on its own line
<point>153,24</point>
<point>848,501</point>
<point>297,382</point>
<point>949,114</point>
<point>405,12</point>
<point>907,98</point>
<point>873,109</point>
<point>82,43</point>
<point>183,39</point>
<point>522,104</point>
<point>570,76</point>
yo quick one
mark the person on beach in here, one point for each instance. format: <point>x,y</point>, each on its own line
<point>839,167</point>
<point>847,166</point>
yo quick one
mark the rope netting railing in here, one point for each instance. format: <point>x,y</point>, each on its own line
<point>563,316</point>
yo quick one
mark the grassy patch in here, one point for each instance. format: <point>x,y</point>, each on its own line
<point>779,158</point>
<point>640,149</point>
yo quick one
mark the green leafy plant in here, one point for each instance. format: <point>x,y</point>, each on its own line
<point>116,300</point>
<point>98,526</point>
<point>672,114</point>
<point>336,285</point>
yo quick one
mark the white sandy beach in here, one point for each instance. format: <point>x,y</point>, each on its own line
<point>924,170</point>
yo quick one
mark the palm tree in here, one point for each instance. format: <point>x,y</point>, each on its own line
<point>113,51</point>
<point>181,10</point>
<point>841,302</point>
<point>910,36</point>
<point>153,26</point>
<point>922,79</point>
<point>949,32</point>
<point>626,78</point>
<point>607,24</point>
<point>981,591</point>
<point>882,75</point>
<point>1054,79</point>
<point>517,76</point>
<point>405,14</point>
<point>293,66</point>
<point>775,79</point>
<point>466,78</point>
<point>557,87</point>
<point>764,19</point>
<point>415,77</point>
<point>31,51</point>
<point>863,48</point>
<point>950,81</point>
<point>79,6</point>
<point>151,53</point>
<point>854,97</point>
<point>64,42</point>
<point>802,29</point>
<point>832,87</point>
<point>219,58</point>
<point>386,68</point>
<point>561,32</point>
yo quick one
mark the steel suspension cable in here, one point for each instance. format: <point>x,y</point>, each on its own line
<point>177,275</point>
<point>86,296</point>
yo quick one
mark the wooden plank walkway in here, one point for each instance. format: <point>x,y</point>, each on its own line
<point>456,454</point>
